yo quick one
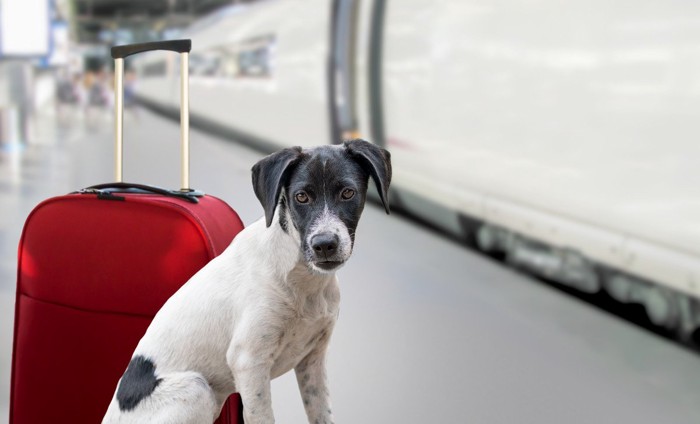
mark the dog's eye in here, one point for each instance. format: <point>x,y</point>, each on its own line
<point>302,197</point>
<point>347,194</point>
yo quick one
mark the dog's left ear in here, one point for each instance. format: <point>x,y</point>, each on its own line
<point>376,161</point>
<point>269,176</point>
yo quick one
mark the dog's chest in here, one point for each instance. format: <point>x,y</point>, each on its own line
<point>306,310</point>
<point>299,339</point>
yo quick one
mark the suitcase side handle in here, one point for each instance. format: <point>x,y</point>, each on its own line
<point>119,53</point>
<point>179,46</point>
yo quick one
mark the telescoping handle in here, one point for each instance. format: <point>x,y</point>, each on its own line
<point>119,53</point>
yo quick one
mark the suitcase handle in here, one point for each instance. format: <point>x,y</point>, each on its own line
<point>179,46</point>
<point>119,53</point>
<point>191,196</point>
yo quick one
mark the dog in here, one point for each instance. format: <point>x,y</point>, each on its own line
<point>266,305</point>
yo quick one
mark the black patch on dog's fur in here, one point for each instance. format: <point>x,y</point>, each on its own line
<point>138,382</point>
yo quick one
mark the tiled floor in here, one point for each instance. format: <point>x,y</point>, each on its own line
<point>428,333</point>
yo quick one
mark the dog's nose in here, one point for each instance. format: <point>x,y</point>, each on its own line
<point>324,244</point>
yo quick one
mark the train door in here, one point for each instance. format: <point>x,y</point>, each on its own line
<point>341,72</point>
<point>405,114</point>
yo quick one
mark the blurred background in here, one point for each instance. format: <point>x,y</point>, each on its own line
<point>542,263</point>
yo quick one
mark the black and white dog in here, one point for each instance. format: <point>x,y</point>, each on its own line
<point>266,305</point>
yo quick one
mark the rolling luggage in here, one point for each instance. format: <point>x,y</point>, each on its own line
<point>94,268</point>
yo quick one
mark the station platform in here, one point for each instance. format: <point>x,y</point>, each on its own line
<point>429,331</point>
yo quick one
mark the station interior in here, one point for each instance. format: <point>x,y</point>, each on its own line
<point>442,319</point>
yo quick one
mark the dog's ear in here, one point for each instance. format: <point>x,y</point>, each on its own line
<point>270,175</point>
<point>376,161</point>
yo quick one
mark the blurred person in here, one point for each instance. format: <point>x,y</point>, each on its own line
<point>69,95</point>
<point>87,82</point>
<point>20,93</point>
<point>99,98</point>
<point>97,92</point>
<point>130,103</point>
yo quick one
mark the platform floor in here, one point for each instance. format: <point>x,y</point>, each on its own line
<point>429,332</point>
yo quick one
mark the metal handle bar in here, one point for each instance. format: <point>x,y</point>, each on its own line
<point>119,53</point>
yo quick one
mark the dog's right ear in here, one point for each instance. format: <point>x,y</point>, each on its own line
<point>269,176</point>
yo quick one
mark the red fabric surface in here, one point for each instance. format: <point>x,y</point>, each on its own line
<point>91,276</point>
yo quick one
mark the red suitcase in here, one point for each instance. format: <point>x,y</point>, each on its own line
<point>94,268</point>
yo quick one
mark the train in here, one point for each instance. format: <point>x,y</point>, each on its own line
<point>560,135</point>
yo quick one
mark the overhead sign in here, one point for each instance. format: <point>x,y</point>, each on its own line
<point>24,27</point>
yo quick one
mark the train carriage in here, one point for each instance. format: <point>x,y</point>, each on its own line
<point>560,134</point>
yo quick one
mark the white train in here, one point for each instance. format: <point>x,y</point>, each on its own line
<point>562,134</point>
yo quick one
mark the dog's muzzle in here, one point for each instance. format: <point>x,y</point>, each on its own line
<point>325,250</point>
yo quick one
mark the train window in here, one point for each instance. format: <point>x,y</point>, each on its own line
<point>254,58</point>
<point>206,64</point>
<point>251,58</point>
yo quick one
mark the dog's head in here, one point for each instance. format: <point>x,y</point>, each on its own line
<point>321,193</point>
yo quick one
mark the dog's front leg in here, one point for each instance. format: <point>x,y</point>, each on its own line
<point>252,379</point>
<point>313,385</point>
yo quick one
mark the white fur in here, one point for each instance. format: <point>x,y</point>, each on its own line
<point>250,315</point>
